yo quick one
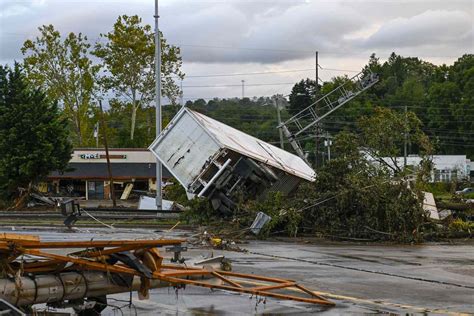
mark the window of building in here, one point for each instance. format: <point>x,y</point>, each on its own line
<point>95,190</point>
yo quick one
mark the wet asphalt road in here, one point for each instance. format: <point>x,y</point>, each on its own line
<point>434,278</point>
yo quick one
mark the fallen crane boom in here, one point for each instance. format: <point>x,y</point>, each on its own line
<point>32,275</point>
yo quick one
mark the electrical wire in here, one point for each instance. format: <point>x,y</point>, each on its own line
<point>240,85</point>
<point>248,73</point>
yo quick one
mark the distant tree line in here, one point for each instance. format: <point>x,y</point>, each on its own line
<point>442,97</point>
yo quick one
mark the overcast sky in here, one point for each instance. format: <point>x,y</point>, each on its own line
<point>255,36</point>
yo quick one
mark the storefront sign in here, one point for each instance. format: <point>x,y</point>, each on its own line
<point>101,156</point>
<point>90,156</point>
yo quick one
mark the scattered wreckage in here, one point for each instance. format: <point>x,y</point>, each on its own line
<point>213,160</point>
<point>83,278</point>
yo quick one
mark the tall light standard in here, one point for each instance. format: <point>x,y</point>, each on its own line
<point>159,200</point>
<point>277,107</point>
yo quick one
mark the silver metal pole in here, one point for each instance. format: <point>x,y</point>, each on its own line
<point>159,200</point>
<point>182,94</point>
<point>317,76</point>
<point>405,142</point>
<point>276,104</point>
<point>316,95</point>
<point>329,150</point>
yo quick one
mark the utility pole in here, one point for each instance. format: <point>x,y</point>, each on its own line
<point>316,93</point>
<point>96,134</point>
<point>317,76</point>
<point>405,143</point>
<point>277,106</point>
<point>328,143</point>
<point>243,89</point>
<point>182,94</point>
<point>159,201</point>
<point>109,167</point>
<point>329,149</point>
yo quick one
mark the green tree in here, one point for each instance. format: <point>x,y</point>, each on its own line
<point>65,71</point>
<point>33,134</point>
<point>355,198</point>
<point>302,95</point>
<point>383,136</point>
<point>128,58</point>
<point>351,198</point>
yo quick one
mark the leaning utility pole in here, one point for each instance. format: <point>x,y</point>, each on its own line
<point>159,200</point>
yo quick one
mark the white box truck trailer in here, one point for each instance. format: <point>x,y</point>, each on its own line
<point>213,160</point>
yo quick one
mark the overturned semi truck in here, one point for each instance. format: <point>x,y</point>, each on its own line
<point>213,160</point>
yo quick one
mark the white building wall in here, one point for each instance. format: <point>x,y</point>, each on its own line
<point>446,167</point>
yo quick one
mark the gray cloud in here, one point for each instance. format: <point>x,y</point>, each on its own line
<point>282,33</point>
<point>235,36</point>
<point>431,28</point>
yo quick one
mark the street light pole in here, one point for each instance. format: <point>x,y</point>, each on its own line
<point>317,129</point>
<point>405,141</point>
<point>277,106</point>
<point>159,200</point>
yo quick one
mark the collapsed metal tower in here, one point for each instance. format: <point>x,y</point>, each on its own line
<point>330,102</point>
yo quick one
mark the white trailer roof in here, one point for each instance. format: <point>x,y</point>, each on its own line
<point>252,147</point>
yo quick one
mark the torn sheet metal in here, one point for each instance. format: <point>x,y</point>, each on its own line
<point>260,220</point>
<point>429,206</point>
<point>216,161</point>
<point>149,203</point>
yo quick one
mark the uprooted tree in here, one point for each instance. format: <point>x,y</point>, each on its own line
<point>357,195</point>
<point>34,138</point>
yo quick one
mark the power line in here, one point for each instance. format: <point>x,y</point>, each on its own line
<point>248,73</point>
<point>244,48</point>
<point>343,70</point>
<point>266,73</point>
<point>240,85</point>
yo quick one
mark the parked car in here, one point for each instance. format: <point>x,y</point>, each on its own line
<point>465,191</point>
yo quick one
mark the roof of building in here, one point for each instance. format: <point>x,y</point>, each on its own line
<point>119,171</point>
<point>255,148</point>
<point>110,149</point>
